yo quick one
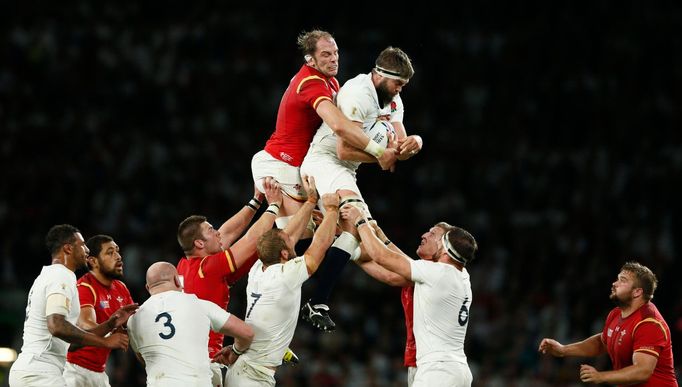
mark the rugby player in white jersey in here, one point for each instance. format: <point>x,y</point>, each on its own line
<point>274,292</point>
<point>169,334</point>
<point>333,162</point>
<point>442,295</point>
<point>52,311</point>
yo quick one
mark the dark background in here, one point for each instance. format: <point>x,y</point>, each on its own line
<point>551,132</point>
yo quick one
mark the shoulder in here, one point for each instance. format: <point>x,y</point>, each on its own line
<point>86,278</point>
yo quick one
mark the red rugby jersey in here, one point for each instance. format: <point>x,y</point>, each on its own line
<point>642,331</point>
<point>209,278</point>
<point>407,298</point>
<point>297,120</point>
<point>106,300</point>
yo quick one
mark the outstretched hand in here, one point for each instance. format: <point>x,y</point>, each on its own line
<point>351,213</point>
<point>121,316</point>
<point>273,192</point>
<point>551,347</point>
<point>310,189</point>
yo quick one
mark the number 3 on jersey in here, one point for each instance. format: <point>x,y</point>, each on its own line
<point>167,324</point>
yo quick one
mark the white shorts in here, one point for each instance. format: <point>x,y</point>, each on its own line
<point>77,376</point>
<point>216,375</point>
<point>330,174</point>
<point>35,379</point>
<point>243,374</point>
<point>411,371</point>
<point>288,176</point>
<point>443,374</point>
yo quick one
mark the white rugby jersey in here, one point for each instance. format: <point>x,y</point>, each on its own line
<point>170,332</point>
<point>273,302</point>
<point>442,300</point>
<point>358,101</point>
<point>41,351</point>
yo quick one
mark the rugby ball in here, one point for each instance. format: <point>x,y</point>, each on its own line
<point>379,132</point>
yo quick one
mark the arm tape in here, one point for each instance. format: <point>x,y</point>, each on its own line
<point>56,303</point>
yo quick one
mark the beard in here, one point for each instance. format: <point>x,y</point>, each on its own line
<point>384,95</point>
<point>113,274</point>
<point>621,302</point>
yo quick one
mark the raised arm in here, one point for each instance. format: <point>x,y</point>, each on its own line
<point>245,247</point>
<point>380,274</point>
<point>392,260</point>
<point>235,226</point>
<point>324,235</point>
<point>297,224</point>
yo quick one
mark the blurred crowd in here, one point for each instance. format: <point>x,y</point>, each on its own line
<point>551,132</point>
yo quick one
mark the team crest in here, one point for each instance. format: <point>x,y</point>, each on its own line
<point>394,106</point>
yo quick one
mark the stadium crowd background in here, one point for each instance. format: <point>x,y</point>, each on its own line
<point>551,131</point>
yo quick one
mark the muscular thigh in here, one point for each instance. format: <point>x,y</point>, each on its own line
<point>330,175</point>
<point>288,176</point>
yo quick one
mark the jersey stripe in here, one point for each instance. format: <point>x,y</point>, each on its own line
<point>649,351</point>
<point>201,271</point>
<point>230,261</point>
<point>300,85</point>
<point>653,320</point>
<point>320,99</point>
<point>94,294</point>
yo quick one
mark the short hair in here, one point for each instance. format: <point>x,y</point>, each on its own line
<point>463,242</point>
<point>307,41</point>
<point>60,235</point>
<point>95,246</point>
<point>189,230</point>
<point>644,278</point>
<point>396,60</point>
<point>270,245</point>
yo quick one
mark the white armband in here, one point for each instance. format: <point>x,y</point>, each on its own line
<point>57,303</point>
<point>374,149</point>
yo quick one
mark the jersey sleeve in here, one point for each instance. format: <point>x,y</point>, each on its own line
<point>216,315</point>
<point>243,269</point>
<point>650,337</point>
<point>354,103</point>
<point>424,272</point>
<point>86,294</point>
<point>61,283</point>
<point>313,90</point>
<point>221,264</point>
<point>295,272</point>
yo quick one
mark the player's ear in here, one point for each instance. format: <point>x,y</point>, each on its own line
<point>199,243</point>
<point>638,292</point>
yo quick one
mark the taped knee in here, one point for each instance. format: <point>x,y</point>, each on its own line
<point>357,202</point>
<point>282,222</point>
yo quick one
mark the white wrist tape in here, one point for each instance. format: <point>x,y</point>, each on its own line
<point>346,242</point>
<point>374,149</point>
<point>57,303</point>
